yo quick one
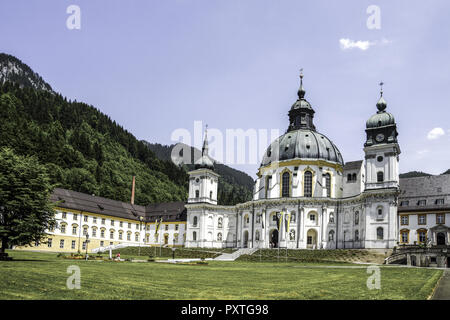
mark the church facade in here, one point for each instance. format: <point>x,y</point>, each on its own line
<point>305,196</point>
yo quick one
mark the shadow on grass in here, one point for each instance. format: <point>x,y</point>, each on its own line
<point>22,260</point>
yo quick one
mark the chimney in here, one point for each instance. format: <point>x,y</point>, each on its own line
<point>132,190</point>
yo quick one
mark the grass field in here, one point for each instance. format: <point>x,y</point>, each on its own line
<point>43,276</point>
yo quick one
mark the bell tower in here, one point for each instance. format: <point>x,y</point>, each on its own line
<point>203,181</point>
<point>381,149</point>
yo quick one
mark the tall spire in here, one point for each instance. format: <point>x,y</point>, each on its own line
<point>381,104</point>
<point>301,90</point>
<point>205,143</point>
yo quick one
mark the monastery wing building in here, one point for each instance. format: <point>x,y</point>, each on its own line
<point>305,196</point>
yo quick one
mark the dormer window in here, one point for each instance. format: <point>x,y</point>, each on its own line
<point>421,202</point>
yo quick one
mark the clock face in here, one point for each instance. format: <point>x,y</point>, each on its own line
<point>379,137</point>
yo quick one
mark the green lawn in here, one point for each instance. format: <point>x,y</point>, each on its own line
<point>43,276</point>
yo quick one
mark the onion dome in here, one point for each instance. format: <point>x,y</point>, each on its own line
<point>204,162</point>
<point>381,127</point>
<point>381,118</point>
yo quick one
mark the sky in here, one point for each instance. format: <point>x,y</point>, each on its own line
<point>160,66</point>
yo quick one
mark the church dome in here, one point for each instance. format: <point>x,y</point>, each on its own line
<point>380,119</point>
<point>204,162</point>
<point>302,141</point>
<point>303,144</point>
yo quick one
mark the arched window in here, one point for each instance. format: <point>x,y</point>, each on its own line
<point>219,222</point>
<point>356,218</point>
<point>354,177</point>
<point>331,235</point>
<point>194,236</point>
<point>380,176</point>
<point>331,219</point>
<point>379,213</point>
<point>285,184</point>
<point>195,222</point>
<point>349,177</point>
<point>328,184</point>
<point>356,235</point>
<point>219,236</point>
<point>308,184</point>
<point>380,233</point>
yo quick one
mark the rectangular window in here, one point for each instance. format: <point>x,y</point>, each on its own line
<point>404,203</point>
<point>136,237</point>
<point>75,216</point>
<point>176,227</point>
<point>61,244</point>
<point>94,232</point>
<point>63,228</point>
<point>129,225</point>
<point>74,230</point>
<point>166,227</point>
<point>422,219</point>
<point>103,220</point>
<point>405,237</point>
<point>421,202</point>
<point>309,240</point>
<point>84,245</point>
<point>439,201</point>
<point>112,222</point>
<point>404,220</point>
<point>422,236</point>
<point>49,242</point>
<point>111,235</point>
<point>440,218</point>
<point>85,231</point>
<point>73,244</point>
<point>120,235</point>
<point>102,233</point>
<point>129,236</point>
<point>64,215</point>
<point>94,219</point>
<point>121,224</point>
<point>86,218</point>
<point>312,217</point>
<point>102,243</point>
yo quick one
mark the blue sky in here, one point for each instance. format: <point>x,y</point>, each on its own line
<point>155,66</point>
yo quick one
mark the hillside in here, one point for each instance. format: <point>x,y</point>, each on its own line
<point>234,186</point>
<point>82,148</point>
<point>413,174</point>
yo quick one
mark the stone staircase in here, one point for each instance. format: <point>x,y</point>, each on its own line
<point>116,246</point>
<point>236,254</point>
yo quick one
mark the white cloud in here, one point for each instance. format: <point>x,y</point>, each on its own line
<point>346,43</point>
<point>350,44</point>
<point>435,133</point>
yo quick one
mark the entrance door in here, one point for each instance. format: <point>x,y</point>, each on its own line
<point>311,239</point>
<point>274,239</point>
<point>245,239</point>
<point>440,239</point>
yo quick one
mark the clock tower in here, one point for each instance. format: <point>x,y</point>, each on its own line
<point>381,149</point>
